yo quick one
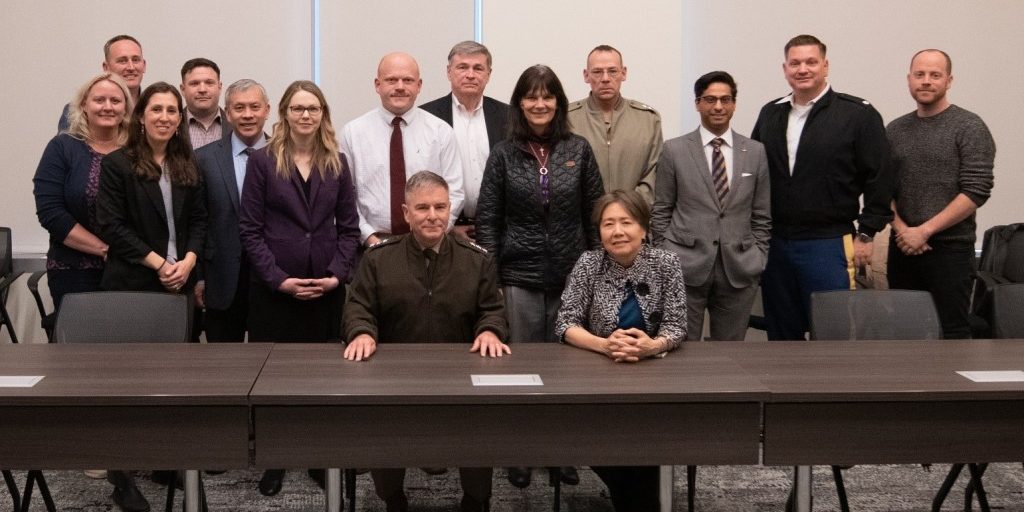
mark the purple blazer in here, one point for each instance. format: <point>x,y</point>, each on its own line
<point>285,235</point>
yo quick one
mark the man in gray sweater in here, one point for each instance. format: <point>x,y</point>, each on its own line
<point>944,157</point>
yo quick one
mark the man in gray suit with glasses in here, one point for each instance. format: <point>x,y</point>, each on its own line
<point>711,207</point>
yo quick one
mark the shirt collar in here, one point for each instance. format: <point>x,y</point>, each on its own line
<point>706,136</point>
<point>789,97</point>
<point>237,146</point>
<point>189,117</point>
<point>594,107</point>
<point>409,116</point>
<point>460,107</point>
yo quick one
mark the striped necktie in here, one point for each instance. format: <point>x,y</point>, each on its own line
<point>718,170</point>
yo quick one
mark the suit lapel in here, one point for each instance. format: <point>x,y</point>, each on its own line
<point>226,166</point>
<point>152,189</point>
<point>178,194</point>
<point>740,164</point>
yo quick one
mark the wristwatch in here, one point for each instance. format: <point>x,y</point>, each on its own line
<point>864,238</point>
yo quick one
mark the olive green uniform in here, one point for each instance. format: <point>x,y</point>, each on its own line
<point>627,147</point>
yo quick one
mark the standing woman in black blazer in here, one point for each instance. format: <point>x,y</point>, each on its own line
<point>151,211</point>
<point>151,208</point>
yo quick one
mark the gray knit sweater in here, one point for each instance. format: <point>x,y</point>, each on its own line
<point>937,158</point>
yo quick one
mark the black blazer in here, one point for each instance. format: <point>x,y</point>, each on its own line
<point>495,116</point>
<point>132,221</point>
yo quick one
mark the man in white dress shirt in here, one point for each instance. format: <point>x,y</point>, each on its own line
<point>390,143</point>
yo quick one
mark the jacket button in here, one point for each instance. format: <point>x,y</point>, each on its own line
<point>721,215</point>
<point>308,236</point>
<point>715,242</point>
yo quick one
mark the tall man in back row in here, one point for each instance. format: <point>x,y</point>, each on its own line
<point>426,287</point>
<point>943,157</point>
<point>625,134</point>
<point>122,55</point>
<point>825,150</point>
<point>479,122</point>
<point>386,145</point>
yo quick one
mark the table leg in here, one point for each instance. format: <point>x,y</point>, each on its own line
<point>803,482</point>
<point>333,490</point>
<point>666,477</point>
<point>191,490</point>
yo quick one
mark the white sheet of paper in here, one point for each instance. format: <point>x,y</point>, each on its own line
<point>19,381</point>
<point>994,376</point>
<point>525,379</point>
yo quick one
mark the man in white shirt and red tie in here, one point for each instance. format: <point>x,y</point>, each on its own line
<point>390,143</point>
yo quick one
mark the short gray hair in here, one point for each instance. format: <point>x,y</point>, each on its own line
<point>469,48</point>
<point>423,179</point>
<point>244,85</point>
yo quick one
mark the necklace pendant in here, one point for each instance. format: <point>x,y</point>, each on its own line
<point>543,171</point>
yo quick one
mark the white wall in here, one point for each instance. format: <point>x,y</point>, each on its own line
<point>870,43</point>
<point>51,47</point>
<point>561,34</point>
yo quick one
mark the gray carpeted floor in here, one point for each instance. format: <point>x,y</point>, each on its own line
<point>719,489</point>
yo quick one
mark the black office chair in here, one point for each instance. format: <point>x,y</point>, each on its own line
<point>6,278</point>
<point>1002,262</point>
<point>1007,304</point>
<point>1007,301</point>
<point>126,317</point>
<point>872,315</point>
<point>46,320</point>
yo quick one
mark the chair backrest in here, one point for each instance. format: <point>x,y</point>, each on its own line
<point>6,253</point>
<point>119,317</point>
<point>874,315</point>
<point>1002,252</point>
<point>1007,308</point>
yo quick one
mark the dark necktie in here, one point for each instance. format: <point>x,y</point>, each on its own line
<point>718,170</point>
<point>248,151</point>
<point>398,224</point>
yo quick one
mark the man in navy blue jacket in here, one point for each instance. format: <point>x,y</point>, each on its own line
<point>825,150</point>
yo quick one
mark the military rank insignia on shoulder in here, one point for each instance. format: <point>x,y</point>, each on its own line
<point>854,99</point>
<point>471,245</point>
<point>639,105</point>
<point>381,243</point>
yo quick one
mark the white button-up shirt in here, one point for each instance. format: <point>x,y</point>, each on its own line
<point>474,147</point>
<point>797,119</point>
<point>428,145</point>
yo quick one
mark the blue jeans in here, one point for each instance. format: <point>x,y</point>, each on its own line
<point>795,269</point>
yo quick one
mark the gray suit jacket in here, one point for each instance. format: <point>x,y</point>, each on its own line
<point>222,259</point>
<point>688,219</point>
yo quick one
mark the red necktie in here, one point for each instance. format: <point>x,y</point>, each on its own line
<point>398,224</point>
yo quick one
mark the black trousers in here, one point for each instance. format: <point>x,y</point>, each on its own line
<point>229,325</point>
<point>280,318</point>
<point>632,488</point>
<point>945,271</point>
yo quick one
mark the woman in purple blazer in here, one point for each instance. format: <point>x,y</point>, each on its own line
<point>299,226</point>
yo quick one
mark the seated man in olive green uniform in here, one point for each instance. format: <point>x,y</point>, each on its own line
<point>426,287</point>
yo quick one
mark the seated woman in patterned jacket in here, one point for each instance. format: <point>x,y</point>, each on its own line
<point>626,301</point>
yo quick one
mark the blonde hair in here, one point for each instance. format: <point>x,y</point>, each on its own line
<point>78,122</point>
<point>325,151</point>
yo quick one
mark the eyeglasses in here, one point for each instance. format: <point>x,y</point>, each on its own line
<point>298,110</point>
<point>611,72</point>
<point>711,100</point>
